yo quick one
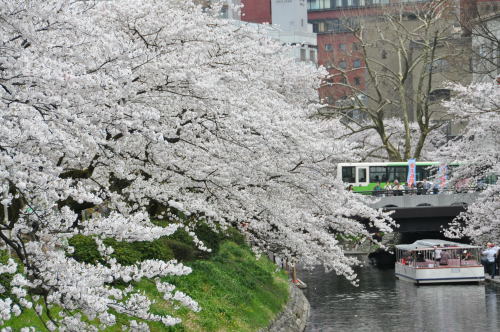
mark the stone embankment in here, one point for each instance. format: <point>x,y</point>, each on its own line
<point>495,281</point>
<point>294,316</point>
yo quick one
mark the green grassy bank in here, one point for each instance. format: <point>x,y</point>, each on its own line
<point>236,291</point>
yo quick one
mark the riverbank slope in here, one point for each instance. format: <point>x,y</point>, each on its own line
<point>236,292</point>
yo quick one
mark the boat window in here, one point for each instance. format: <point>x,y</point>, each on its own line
<point>348,174</point>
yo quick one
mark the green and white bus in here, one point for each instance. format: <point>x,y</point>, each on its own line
<point>364,176</point>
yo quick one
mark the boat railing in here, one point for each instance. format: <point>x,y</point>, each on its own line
<point>425,258</point>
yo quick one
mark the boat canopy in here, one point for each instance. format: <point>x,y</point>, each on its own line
<point>429,244</point>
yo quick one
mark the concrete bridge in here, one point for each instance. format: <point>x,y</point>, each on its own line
<point>408,201</point>
<point>424,213</point>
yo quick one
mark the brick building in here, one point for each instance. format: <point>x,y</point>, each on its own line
<point>338,48</point>
<point>256,11</point>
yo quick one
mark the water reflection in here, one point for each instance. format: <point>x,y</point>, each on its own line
<point>382,303</point>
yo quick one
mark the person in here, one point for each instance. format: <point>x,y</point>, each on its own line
<point>420,188</point>
<point>350,187</point>
<point>398,188</point>
<point>435,188</point>
<point>444,258</point>
<point>420,257</point>
<point>426,186</point>
<point>497,261</point>
<point>410,189</point>
<point>377,190</point>
<point>407,189</point>
<point>490,254</point>
<point>388,188</point>
<point>466,255</point>
<point>408,259</point>
<point>437,255</point>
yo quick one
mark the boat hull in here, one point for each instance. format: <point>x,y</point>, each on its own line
<point>434,275</point>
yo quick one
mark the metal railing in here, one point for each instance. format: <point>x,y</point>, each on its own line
<point>420,191</point>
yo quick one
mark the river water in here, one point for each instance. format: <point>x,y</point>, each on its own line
<point>382,303</point>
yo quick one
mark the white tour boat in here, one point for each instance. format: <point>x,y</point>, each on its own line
<point>438,261</point>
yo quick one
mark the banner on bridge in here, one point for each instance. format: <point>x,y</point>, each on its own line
<point>412,171</point>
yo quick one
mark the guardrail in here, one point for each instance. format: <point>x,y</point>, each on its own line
<point>419,191</point>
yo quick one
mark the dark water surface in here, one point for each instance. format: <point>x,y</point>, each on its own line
<point>382,303</point>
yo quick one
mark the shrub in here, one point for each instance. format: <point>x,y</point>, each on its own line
<point>179,246</point>
<point>156,250</point>
<point>85,249</point>
<point>211,238</point>
<point>182,251</point>
<point>126,253</point>
<point>233,235</point>
<point>5,278</point>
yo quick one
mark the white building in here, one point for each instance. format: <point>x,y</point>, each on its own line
<point>289,25</point>
<point>289,18</point>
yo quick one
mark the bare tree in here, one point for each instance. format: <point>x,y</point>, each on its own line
<point>407,54</point>
<point>484,29</point>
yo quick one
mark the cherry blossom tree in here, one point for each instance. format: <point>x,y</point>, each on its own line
<point>479,156</point>
<point>156,109</point>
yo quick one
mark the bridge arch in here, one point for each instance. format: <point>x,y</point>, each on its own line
<point>464,204</point>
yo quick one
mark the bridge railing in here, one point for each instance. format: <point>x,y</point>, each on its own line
<point>419,191</point>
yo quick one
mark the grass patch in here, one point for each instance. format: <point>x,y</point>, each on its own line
<point>236,291</point>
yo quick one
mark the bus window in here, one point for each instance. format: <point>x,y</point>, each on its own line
<point>361,175</point>
<point>490,179</point>
<point>397,173</point>
<point>422,173</point>
<point>348,174</point>
<point>378,173</point>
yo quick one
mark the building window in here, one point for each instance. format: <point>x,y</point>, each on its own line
<point>342,65</point>
<point>342,47</point>
<point>321,27</point>
<point>312,55</point>
<point>437,66</point>
<point>343,80</point>
<point>328,47</point>
<point>439,94</point>
<point>319,4</point>
<point>335,25</point>
<point>356,63</point>
<point>224,12</point>
<point>332,25</point>
<point>357,81</point>
<point>302,54</point>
